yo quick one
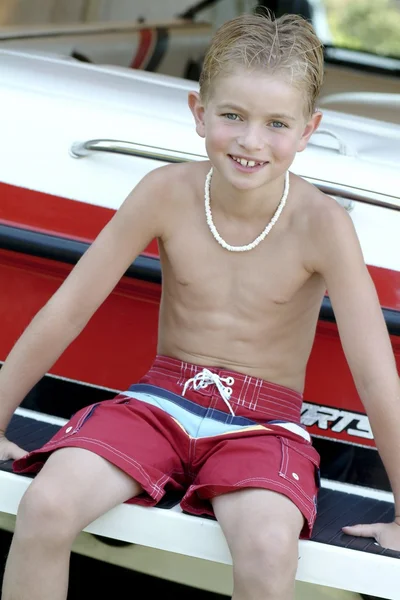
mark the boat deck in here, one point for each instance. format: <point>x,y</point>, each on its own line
<point>330,558</point>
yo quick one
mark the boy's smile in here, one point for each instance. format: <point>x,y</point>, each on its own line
<point>247,165</point>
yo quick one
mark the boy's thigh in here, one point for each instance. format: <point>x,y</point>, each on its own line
<point>123,444</point>
<point>81,485</point>
<point>284,465</point>
<point>258,519</point>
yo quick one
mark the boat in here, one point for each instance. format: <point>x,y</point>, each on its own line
<point>176,46</point>
<point>77,138</point>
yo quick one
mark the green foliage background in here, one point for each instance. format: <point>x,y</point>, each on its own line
<point>372,25</point>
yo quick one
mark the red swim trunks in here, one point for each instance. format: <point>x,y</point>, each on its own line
<point>201,432</point>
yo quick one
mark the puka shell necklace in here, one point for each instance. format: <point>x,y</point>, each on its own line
<point>262,235</point>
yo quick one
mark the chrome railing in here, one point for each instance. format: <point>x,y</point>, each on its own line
<point>80,149</point>
<point>350,194</point>
<point>356,195</point>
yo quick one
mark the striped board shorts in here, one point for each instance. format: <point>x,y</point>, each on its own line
<point>200,432</point>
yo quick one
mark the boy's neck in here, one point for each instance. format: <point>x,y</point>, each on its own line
<point>257,202</point>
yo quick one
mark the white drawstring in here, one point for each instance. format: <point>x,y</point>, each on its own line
<point>205,378</point>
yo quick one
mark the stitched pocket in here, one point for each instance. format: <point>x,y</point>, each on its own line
<point>79,419</point>
<point>300,466</point>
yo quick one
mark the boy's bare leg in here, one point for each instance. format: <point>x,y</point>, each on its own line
<point>262,529</point>
<point>74,487</point>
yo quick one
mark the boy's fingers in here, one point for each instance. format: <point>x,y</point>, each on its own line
<point>9,450</point>
<point>17,452</point>
<point>370,531</point>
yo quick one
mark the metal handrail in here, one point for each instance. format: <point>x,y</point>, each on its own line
<point>353,194</point>
<point>81,149</point>
<point>391,100</point>
<point>343,148</point>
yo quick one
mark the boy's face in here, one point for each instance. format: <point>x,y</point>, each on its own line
<point>255,117</point>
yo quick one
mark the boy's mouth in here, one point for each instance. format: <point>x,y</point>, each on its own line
<point>248,164</point>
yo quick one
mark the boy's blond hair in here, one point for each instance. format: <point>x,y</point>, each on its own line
<point>288,46</point>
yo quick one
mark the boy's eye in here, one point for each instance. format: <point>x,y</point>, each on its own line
<point>231,116</point>
<point>278,124</point>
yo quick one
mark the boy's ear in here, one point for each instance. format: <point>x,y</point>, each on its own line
<point>309,129</point>
<point>197,108</point>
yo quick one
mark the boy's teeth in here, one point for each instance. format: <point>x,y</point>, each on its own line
<point>246,163</point>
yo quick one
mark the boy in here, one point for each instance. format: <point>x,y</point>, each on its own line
<point>221,403</point>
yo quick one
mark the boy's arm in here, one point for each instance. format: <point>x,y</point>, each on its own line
<point>139,220</point>
<point>366,344</point>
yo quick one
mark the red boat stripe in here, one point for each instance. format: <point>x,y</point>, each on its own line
<point>54,215</point>
<point>146,37</point>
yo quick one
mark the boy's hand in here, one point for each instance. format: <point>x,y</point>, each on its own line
<point>386,534</point>
<point>9,450</point>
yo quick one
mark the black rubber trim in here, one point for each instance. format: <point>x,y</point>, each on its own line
<point>68,251</point>
<point>144,267</point>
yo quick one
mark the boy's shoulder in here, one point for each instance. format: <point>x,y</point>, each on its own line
<point>326,227</point>
<point>174,175</point>
<point>320,210</point>
<point>159,198</point>
<point>166,186</point>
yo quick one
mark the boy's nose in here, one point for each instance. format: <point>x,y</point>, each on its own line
<point>251,140</point>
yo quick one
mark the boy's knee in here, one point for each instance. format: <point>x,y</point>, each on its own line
<point>266,568</point>
<point>280,541</point>
<point>268,554</point>
<point>44,513</point>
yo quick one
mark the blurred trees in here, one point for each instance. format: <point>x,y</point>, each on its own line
<point>372,25</point>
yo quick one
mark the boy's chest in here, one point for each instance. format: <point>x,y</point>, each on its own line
<point>201,269</point>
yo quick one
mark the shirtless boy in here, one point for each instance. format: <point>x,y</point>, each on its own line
<point>221,403</point>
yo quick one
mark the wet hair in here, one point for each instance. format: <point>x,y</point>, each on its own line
<point>287,46</point>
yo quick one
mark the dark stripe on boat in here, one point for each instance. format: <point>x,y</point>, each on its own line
<point>145,268</point>
<point>160,49</point>
<point>68,251</point>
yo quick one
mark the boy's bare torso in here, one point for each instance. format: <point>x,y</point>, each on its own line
<point>253,312</point>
